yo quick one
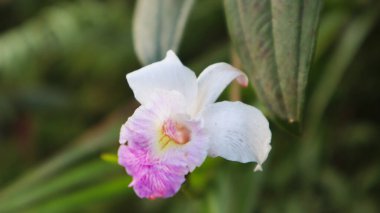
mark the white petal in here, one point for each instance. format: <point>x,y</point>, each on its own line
<point>142,128</point>
<point>238,132</point>
<point>168,74</point>
<point>213,80</point>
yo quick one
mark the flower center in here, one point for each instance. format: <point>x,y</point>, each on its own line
<point>173,131</point>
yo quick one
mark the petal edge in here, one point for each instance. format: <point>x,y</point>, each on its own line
<point>238,132</point>
<point>168,74</point>
<point>213,80</point>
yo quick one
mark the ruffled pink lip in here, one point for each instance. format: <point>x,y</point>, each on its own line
<point>151,178</point>
<point>163,145</point>
<point>178,132</point>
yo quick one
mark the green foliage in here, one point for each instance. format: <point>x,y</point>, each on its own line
<point>158,27</point>
<point>353,38</point>
<point>275,41</point>
<point>63,98</point>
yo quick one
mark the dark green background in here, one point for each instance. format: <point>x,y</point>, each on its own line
<point>63,98</point>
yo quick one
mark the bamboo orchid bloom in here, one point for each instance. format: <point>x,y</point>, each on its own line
<point>178,125</point>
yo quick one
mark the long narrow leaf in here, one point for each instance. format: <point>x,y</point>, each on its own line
<point>275,41</point>
<point>352,39</point>
<point>93,141</point>
<point>158,26</point>
<point>102,192</point>
<point>82,175</point>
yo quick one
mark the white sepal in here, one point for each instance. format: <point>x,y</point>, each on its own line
<point>213,80</point>
<point>168,74</point>
<point>238,132</point>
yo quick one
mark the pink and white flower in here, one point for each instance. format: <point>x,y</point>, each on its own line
<point>178,125</point>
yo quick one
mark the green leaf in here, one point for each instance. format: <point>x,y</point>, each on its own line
<point>158,27</point>
<point>275,42</point>
<point>109,157</point>
<point>92,141</point>
<point>56,32</point>
<point>88,173</point>
<point>351,40</point>
<point>110,190</point>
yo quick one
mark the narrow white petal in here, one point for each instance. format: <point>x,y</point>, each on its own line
<point>168,74</point>
<point>238,132</point>
<point>213,80</point>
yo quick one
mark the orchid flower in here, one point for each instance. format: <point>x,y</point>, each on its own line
<point>178,125</point>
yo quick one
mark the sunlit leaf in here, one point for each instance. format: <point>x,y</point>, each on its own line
<point>109,157</point>
<point>275,41</point>
<point>158,26</point>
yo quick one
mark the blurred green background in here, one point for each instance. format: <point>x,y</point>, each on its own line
<point>63,98</point>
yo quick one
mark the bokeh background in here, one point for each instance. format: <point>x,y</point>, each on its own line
<point>63,98</point>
